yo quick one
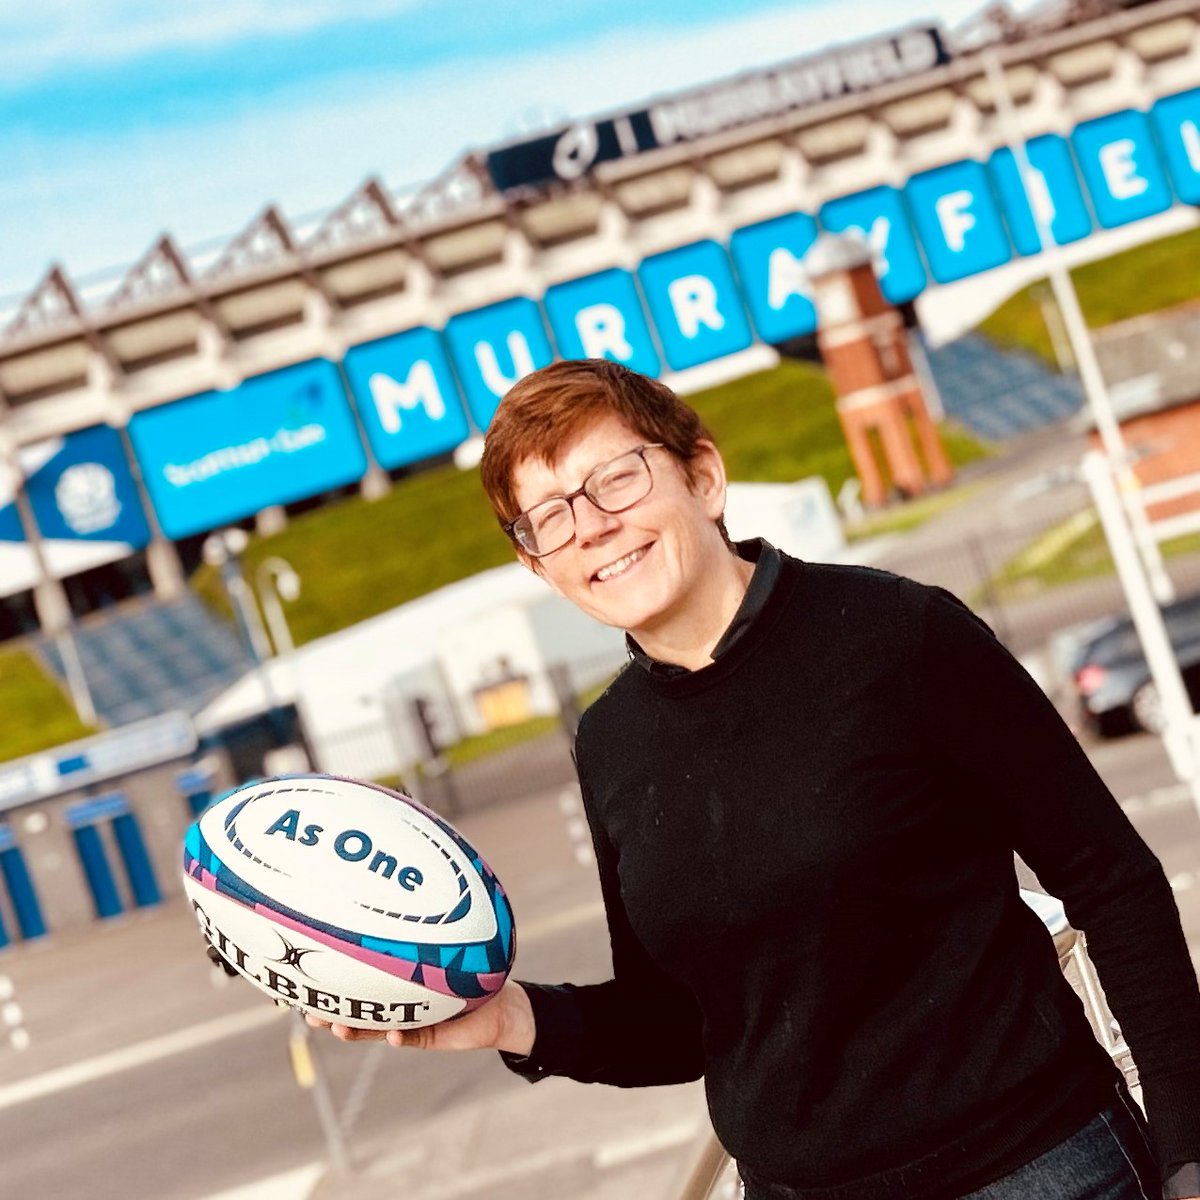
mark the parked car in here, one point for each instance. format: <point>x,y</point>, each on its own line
<point>1112,680</point>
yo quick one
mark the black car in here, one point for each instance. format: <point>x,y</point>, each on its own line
<point>1112,680</point>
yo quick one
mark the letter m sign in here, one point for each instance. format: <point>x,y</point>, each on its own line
<point>419,390</point>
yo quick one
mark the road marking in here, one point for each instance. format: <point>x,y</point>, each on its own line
<point>1162,797</point>
<point>577,831</point>
<point>207,1032</point>
<point>291,1185</point>
<point>487,1180</point>
<point>581,914</point>
<point>12,1016</point>
<point>615,1154</point>
<point>138,1055</point>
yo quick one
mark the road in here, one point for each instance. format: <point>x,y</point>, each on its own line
<point>146,1079</point>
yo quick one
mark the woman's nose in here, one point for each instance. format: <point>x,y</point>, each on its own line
<point>591,521</point>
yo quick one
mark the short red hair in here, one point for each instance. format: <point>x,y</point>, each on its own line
<point>542,413</point>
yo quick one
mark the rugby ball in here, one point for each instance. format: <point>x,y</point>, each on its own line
<point>348,901</point>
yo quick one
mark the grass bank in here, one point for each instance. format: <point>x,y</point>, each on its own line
<point>1072,550</point>
<point>359,558</point>
<point>1143,279</point>
<point>37,715</point>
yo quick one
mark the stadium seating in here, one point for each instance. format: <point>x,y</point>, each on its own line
<point>151,657</point>
<point>999,394</point>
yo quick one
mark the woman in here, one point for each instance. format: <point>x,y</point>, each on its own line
<point>805,792</point>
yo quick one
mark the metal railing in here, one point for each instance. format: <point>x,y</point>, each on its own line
<point>712,1174</point>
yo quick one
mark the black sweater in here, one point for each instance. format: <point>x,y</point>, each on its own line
<point>806,855</point>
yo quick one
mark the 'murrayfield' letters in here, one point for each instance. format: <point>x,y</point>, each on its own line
<point>352,845</point>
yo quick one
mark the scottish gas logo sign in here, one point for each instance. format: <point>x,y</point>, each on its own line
<point>224,455</point>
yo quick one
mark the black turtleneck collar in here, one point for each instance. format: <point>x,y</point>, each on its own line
<point>767,561</point>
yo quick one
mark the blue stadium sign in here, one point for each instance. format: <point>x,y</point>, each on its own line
<point>693,298</point>
<point>495,346</point>
<point>958,221</point>
<point>571,152</point>
<point>1124,176</point>
<point>1177,123</point>
<point>407,397</point>
<point>878,215</point>
<point>224,455</point>
<point>1054,190</point>
<point>769,258</point>
<point>601,316</point>
<point>85,502</point>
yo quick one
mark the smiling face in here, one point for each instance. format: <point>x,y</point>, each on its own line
<point>653,569</point>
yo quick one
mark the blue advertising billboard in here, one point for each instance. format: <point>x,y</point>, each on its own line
<point>693,298</point>
<point>407,397</point>
<point>495,346</point>
<point>1124,176</point>
<point>878,215</point>
<point>224,455</point>
<point>769,257</point>
<point>85,502</point>
<point>601,316</point>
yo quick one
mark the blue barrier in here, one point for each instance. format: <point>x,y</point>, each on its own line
<point>21,892</point>
<point>137,862</point>
<point>84,819</point>
<point>195,786</point>
<point>19,886</point>
<point>96,870</point>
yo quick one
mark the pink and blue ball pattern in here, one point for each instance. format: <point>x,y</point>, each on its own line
<point>473,971</point>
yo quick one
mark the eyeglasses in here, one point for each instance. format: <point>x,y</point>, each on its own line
<point>612,487</point>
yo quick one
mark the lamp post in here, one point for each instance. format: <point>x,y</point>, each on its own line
<point>1041,209</point>
<point>278,581</point>
<point>223,550</point>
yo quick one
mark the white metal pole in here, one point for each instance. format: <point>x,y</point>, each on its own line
<point>1090,374</point>
<point>1179,736</point>
<point>270,572</point>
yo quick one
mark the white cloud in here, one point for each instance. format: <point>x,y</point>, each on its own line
<point>38,39</point>
<point>309,152</point>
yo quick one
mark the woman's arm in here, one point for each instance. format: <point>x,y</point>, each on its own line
<point>636,1029</point>
<point>985,714</point>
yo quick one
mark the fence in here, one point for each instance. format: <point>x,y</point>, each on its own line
<point>1039,580</point>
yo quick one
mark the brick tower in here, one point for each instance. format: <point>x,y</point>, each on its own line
<point>861,339</point>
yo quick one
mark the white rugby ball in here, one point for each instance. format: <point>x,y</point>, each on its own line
<point>348,901</point>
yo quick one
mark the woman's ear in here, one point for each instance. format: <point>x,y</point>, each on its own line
<point>708,481</point>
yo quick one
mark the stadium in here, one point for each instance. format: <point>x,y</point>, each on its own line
<point>199,441</point>
<point>292,367</point>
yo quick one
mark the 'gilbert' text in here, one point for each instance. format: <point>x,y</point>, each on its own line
<point>304,994</point>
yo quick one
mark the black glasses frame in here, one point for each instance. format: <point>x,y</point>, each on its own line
<point>570,497</point>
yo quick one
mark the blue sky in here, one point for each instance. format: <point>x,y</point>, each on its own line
<point>122,119</point>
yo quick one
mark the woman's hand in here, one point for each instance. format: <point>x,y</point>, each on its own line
<point>504,1023</point>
